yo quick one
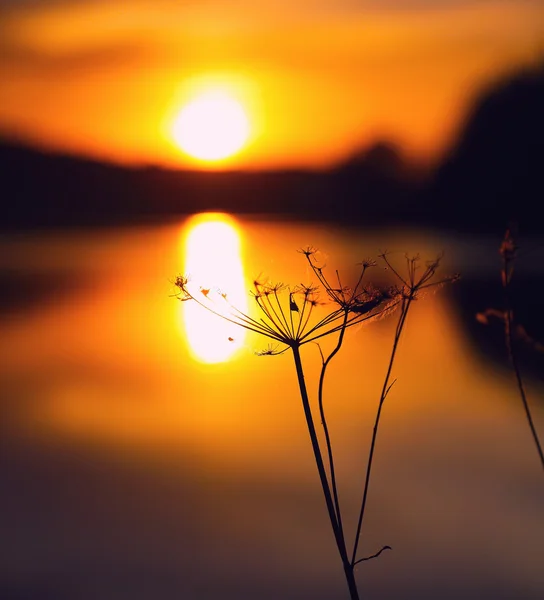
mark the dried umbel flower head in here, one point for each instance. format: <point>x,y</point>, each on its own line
<point>364,297</point>
<point>360,299</point>
<point>419,276</point>
<point>508,251</point>
<point>287,314</point>
<point>508,246</point>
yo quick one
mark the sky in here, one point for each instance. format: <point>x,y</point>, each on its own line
<point>318,79</point>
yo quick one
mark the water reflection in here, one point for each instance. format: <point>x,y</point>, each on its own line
<point>213,264</point>
<point>125,462</point>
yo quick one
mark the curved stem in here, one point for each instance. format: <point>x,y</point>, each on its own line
<point>385,390</point>
<point>338,535</point>
<point>375,555</point>
<point>508,322</point>
<point>326,428</point>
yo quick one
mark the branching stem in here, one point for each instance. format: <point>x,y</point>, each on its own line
<point>385,390</point>
<point>338,534</point>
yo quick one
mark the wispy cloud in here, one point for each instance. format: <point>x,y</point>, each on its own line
<point>344,64</point>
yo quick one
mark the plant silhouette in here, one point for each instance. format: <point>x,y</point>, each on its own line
<point>514,331</point>
<point>288,316</point>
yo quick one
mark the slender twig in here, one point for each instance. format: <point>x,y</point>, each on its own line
<point>338,534</point>
<point>385,390</point>
<point>325,364</point>
<point>314,440</point>
<point>508,252</point>
<point>372,556</point>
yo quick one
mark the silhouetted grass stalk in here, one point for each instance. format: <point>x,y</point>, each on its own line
<point>385,391</point>
<point>508,252</point>
<point>325,363</point>
<point>333,507</point>
<point>411,287</point>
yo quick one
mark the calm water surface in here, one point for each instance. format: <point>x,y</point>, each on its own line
<point>129,470</point>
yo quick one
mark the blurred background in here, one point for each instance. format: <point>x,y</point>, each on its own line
<point>140,140</point>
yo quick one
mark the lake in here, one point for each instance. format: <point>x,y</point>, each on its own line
<point>131,470</point>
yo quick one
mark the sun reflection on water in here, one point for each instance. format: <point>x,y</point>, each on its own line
<point>212,261</point>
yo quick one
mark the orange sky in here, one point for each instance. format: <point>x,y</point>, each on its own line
<point>318,78</point>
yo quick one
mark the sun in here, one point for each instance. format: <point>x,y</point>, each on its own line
<point>211,127</point>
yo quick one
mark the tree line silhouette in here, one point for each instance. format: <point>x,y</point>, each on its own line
<point>491,176</point>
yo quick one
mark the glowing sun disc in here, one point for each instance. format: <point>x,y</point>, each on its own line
<point>211,127</point>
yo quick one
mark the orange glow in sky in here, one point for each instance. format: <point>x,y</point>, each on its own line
<point>317,80</point>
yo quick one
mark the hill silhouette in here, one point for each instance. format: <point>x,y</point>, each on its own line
<point>492,176</point>
<point>48,189</point>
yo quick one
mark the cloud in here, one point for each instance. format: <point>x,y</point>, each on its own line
<point>59,35</point>
<point>108,54</point>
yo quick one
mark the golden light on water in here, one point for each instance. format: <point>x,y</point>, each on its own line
<point>213,262</point>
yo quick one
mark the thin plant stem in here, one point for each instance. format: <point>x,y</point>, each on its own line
<point>385,390</point>
<point>338,535</point>
<point>324,422</point>
<point>508,323</point>
<point>375,555</point>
